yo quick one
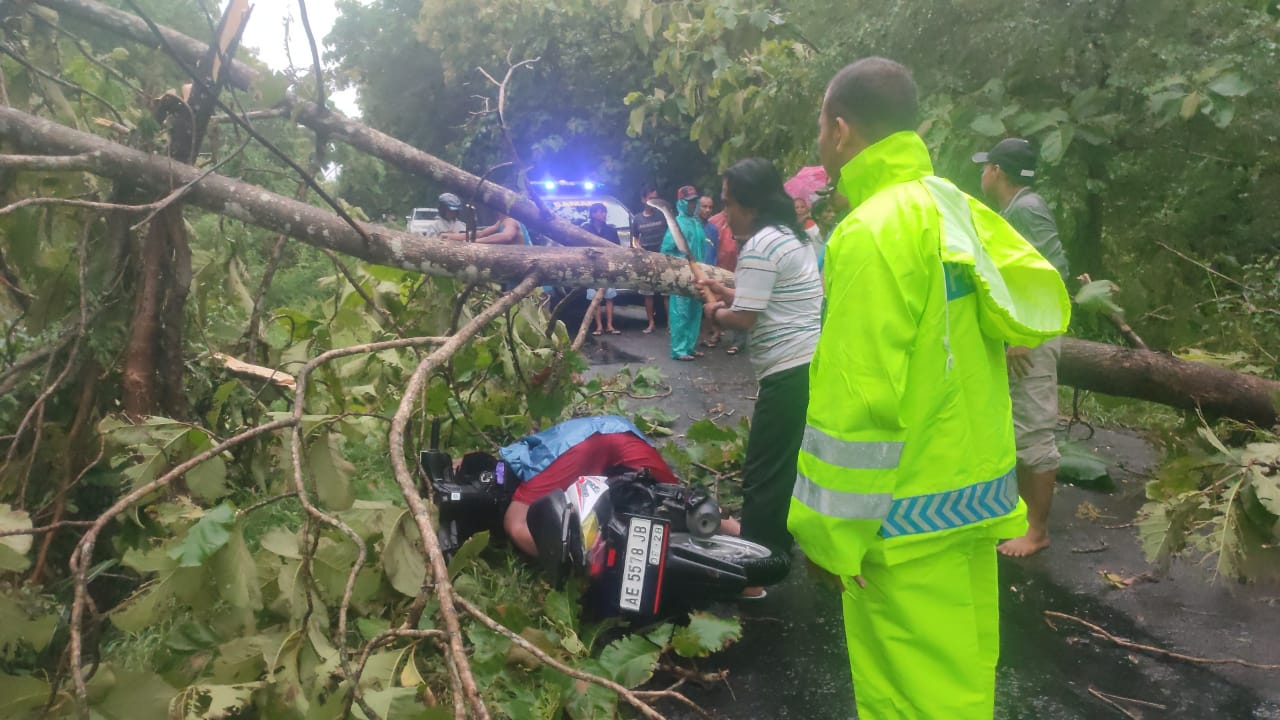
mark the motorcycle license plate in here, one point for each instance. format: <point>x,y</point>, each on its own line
<point>642,565</point>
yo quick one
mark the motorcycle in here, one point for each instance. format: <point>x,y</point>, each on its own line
<point>645,548</point>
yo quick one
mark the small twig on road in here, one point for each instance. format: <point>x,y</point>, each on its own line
<point>685,674</point>
<point>1116,706</point>
<point>1129,644</point>
<point>1135,701</point>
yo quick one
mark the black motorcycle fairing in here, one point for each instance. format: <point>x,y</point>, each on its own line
<point>556,534</point>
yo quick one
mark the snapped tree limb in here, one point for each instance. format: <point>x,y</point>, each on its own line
<point>1165,379</point>
<point>240,75</point>
<point>563,266</point>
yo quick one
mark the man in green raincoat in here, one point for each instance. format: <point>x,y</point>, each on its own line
<point>685,313</point>
<point>906,476</point>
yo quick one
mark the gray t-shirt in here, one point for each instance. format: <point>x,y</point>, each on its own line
<point>1031,217</point>
<point>440,226</point>
<point>777,277</point>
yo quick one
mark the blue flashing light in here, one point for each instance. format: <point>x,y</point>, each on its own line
<point>549,185</point>
<point>589,186</point>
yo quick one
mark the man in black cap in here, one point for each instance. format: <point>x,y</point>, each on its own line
<point>1008,171</point>
<point>450,220</point>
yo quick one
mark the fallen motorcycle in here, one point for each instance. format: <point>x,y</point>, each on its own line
<point>646,548</point>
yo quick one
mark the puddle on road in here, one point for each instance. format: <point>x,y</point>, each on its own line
<point>602,352</point>
<point>791,663</point>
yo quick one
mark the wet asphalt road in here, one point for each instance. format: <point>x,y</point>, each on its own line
<point>792,663</point>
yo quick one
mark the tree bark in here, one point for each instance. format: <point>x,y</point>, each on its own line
<point>154,367</point>
<point>131,26</point>
<point>1165,379</point>
<point>563,266</point>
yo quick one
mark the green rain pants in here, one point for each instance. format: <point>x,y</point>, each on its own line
<point>924,635</point>
<point>685,322</point>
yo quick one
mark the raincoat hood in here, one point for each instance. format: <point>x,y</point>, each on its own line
<point>686,207</point>
<point>1022,298</point>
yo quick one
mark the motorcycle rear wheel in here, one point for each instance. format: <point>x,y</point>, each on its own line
<point>761,565</point>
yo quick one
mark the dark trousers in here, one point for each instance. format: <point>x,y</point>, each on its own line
<point>769,471</point>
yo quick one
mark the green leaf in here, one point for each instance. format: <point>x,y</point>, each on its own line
<point>1190,105</point>
<point>282,542</point>
<point>236,575</point>
<point>140,610</point>
<point>466,554</point>
<point>224,701</point>
<point>1263,479</point>
<point>705,634</point>
<point>331,473</point>
<point>661,635</point>
<point>1053,147</point>
<point>1213,440</point>
<point>210,533</point>
<point>559,609</point>
<point>18,627</point>
<point>136,695</point>
<point>630,660</point>
<point>987,125</point>
<point>21,694</point>
<point>1082,467</point>
<point>1096,297</point>
<point>588,701</point>
<point>1230,85</point>
<point>705,430</point>
<point>14,548</point>
<point>1163,527</point>
<point>402,558</point>
<point>208,480</point>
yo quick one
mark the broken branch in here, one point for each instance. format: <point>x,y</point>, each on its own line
<point>1129,644</point>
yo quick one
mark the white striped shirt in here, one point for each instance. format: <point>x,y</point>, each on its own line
<point>777,277</point>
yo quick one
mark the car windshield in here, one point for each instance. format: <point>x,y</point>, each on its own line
<point>425,214</point>
<point>575,210</point>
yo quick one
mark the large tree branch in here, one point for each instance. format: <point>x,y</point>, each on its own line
<point>569,267</point>
<point>1156,377</point>
<point>412,160</point>
<point>192,51</point>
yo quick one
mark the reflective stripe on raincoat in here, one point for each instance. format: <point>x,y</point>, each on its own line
<point>909,436</point>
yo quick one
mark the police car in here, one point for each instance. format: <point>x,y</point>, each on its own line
<point>572,201</point>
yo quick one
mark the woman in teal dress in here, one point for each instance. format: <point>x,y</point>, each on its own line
<point>685,314</point>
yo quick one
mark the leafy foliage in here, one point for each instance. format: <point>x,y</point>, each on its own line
<point>1222,505</point>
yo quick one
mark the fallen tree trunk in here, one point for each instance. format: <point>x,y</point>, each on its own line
<point>563,266</point>
<point>1091,366</point>
<point>1161,378</point>
<point>239,75</point>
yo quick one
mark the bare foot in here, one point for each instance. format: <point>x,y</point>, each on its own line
<point>1025,546</point>
<point>730,526</point>
<point>754,593</point>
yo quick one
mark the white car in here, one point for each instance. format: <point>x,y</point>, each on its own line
<point>421,220</point>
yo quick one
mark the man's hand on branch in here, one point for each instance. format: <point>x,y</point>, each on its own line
<point>717,289</point>
<point>709,309</point>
